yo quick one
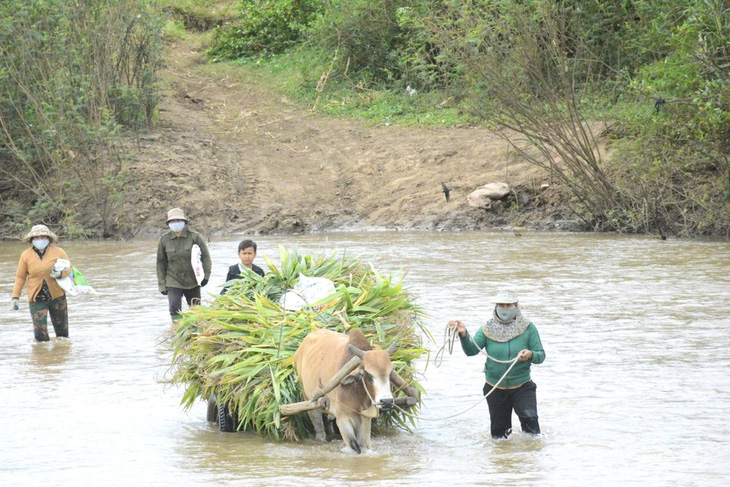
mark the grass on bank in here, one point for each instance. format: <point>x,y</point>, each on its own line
<point>304,76</point>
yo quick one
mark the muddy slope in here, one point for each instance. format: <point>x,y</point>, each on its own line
<point>240,159</point>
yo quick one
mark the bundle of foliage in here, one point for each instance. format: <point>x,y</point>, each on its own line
<point>240,349</point>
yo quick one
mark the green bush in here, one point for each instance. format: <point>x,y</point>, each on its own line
<point>266,27</point>
<point>367,37</point>
<point>73,75</point>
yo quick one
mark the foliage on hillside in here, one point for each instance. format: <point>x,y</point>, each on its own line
<point>240,349</point>
<point>73,76</point>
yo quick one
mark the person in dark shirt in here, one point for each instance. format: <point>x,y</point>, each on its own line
<point>247,253</point>
<point>175,272</point>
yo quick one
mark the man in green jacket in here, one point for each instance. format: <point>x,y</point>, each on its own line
<point>509,340</point>
<point>175,273</point>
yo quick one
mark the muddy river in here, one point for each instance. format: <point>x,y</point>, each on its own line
<point>634,389</point>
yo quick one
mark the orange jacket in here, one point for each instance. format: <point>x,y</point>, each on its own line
<point>34,270</point>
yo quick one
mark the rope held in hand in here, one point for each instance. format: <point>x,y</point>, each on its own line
<point>450,335</point>
<point>449,338</point>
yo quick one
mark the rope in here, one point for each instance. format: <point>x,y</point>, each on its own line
<point>450,335</point>
<point>449,338</point>
<point>514,361</point>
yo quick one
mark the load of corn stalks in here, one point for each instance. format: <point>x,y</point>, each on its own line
<point>240,349</point>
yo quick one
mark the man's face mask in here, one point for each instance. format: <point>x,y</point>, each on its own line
<point>176,226</point>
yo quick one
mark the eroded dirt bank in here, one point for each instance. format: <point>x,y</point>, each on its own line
<point>239,159</point>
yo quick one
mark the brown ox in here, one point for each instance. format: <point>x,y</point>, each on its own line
<point>361,394</point>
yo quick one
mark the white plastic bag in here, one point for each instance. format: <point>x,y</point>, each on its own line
<point>307,290</point>
<point>196,260</point>
<point>68,283</point>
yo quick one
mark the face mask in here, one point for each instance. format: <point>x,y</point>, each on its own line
<point>41,244</point>
<point>506,314</point>
<point>176,226</point>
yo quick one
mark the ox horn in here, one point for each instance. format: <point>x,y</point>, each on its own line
<point>356,351</point>
<point>392,348</point>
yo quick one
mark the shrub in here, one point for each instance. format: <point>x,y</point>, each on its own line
<point>266,27</point>
<point>72,75</point>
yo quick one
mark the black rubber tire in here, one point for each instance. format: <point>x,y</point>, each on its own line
<point>226,422</point>
<point>212,414</point>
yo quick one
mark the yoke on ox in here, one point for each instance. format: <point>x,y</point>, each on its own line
<point>326,360</point>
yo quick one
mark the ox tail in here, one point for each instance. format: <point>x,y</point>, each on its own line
<point>355,446</point>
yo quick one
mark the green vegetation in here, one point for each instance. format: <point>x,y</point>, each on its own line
<point>74,77</point>
<point>267,28</point>
<point>240,349</point>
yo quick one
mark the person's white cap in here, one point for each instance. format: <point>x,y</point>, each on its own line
<point>506,297</point>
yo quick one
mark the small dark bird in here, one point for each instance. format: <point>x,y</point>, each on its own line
<point>446,190</point>
<point>658,104</point>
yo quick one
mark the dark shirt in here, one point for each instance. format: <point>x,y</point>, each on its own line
<point>234,272</point>
<point>173,260</point>
<point>44,295</point>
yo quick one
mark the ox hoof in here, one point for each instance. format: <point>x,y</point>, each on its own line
<point>355,446</point>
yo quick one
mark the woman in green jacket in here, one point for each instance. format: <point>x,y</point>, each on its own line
<point>506,336</point>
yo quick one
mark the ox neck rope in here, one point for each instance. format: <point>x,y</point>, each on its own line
<point>365,386</point>
<point>372,401</point>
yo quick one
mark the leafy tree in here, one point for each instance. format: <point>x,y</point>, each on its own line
<point>73,74</point>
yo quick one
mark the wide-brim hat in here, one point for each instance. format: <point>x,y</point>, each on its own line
<point>506,296</point>
<point>40,231</point>
<point>176,214</point>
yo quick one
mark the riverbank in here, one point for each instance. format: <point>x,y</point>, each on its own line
<point>252,145</point>
<point>240,159</point>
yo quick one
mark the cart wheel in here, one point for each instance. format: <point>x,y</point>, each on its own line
<point>226,422</point>
<point>212,414</point>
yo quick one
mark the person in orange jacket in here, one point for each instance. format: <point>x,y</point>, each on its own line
<point>45,296</point>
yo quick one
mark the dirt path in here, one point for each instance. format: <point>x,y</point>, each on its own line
<point>238,159</point>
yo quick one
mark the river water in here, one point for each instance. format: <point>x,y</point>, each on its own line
<point>633,391</point>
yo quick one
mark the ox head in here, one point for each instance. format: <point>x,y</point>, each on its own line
<point>374,374</point>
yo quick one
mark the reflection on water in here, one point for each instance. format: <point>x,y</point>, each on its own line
<point>244,455</point>
<point>634,388</point>
<point>49,357</point>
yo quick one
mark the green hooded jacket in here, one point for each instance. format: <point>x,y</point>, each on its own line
<point>173,260</point>
<point>508,350</point>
